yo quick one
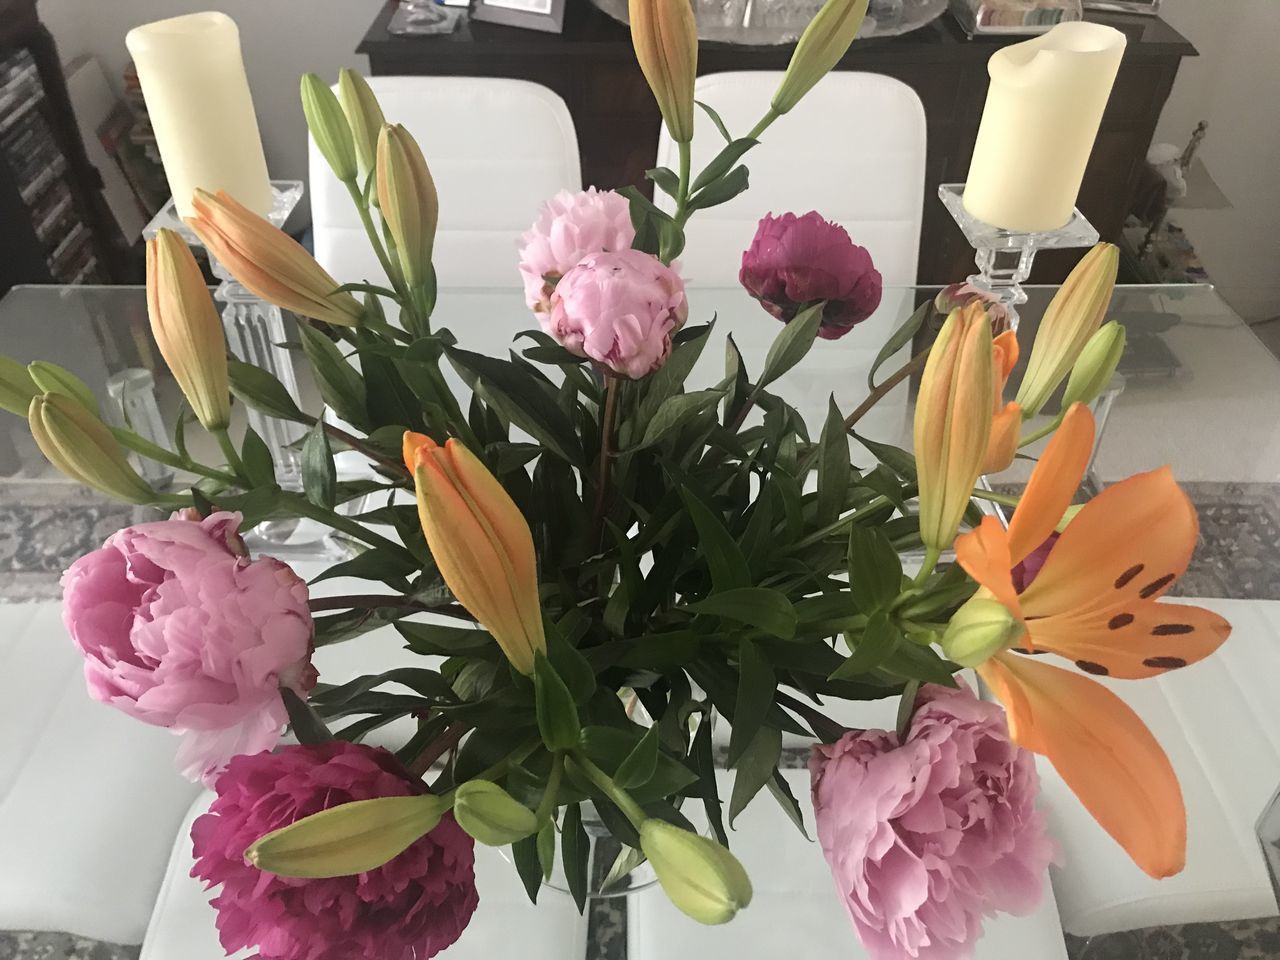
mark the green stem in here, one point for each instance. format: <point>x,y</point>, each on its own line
<point>305,508</point>
<point>1040,434</point>
<point>621,799</point>
<point>151,451</point>
<point>1008,499</point>
<point>229,451</point>
<point>682,192</point>
<point>391,269</point>
<point>606,443</point>
<point>764,124</point>
<point>879,393</point>
<point>355,443</point>
<point>547,808</point>
<point>849,518</point>
<point>931,555</point>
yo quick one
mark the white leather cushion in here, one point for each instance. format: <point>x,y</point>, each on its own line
<point>89,798</point>
<point>183,925</point>
<point>1219,721</point>
<point>795,910</point>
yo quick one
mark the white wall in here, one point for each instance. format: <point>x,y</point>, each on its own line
<point>1235,85</point>
<point>282,39</point>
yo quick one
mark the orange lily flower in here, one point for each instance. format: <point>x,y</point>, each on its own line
<point>1094,602</point>
<point>1006,424</point>
<point>481,542</point>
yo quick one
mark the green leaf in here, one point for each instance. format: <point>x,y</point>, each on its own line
<point>366,288</point>
<point>757,686</point>
<point>627,860</point>
<point>721,191</point>
<point>670,377</point>
<point>525,854</point>
<point>666,180</point>
<point>640,764</point>
<point>722,163</point>
<point>575,852</point>
<point>305,723</point>
<point>675,412</point>
<point>760,607</point>
<point>547,848</point>
<point>340,384</point>
<point>433,639</point>
<point>895,458</point>
<point>736,372</point>
<point>729,568</point>
<point>880,638</point>
<point>256,388</point>
<point>258,464</point>
<point>715,118</point>
<point>921,663</point>
<point>610,746</point>
<point>570,666</point>
<point>834,469</point>
<point>792,343</point>
<point>755,768</point>
<point>781,791</point>
<point>390,568</point>
<point>319,477</point>
<point>899,339</point>
<point>556,711</point>
<point>875,572</point>
<point>703,755</point>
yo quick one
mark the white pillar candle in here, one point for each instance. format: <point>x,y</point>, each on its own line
<point>1043,109</point>
<point>197,94</point>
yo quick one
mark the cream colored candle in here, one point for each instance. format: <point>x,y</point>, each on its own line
<point>1042,115</point>
<point>197,95</point>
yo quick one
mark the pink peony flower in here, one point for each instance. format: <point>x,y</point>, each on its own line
<point>571,226</point>
<point>795,261</point>
<point>958,294</point>
<point>619,309</point>
<point>410,908</point>
<point>925,838</point>
<point>180,629</point>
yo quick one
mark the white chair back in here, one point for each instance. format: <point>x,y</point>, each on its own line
<point>497,150</point>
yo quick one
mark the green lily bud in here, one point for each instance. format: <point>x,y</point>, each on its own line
<point>80,445</point>
<point>491,815</point>
<point>979,630</point>
<point>347,839</point>
<point>1069,516</point>
<point>328,125</point>
<point>16,386</point>
<point>408,201</point>
<point>364,116</point>
<point>1096,366</point>
<point>51,378</point>
<point>703,879</point>
<point>825,40</point>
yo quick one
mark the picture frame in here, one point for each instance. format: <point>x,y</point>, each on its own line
<point>544,15</point>
<point>1146,7</point>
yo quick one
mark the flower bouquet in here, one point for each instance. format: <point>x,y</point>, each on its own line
<point>602,569</point>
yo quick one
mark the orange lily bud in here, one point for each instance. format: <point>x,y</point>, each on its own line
<point>1074,315</point>
<point>953,422</point>
<point>407,198</point>
<point>825,40</point>
<point>665,38</point>
<point>269,262</point>
<point>82,447</point>
<point>481,543</point>
<point>1006,425</point>
<point>187,329</point>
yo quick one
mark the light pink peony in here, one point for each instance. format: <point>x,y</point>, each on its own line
<point>619,309</point>
<point>180,629</point>
<point>927,837</point>
<point>410,908</point>
<point>571,226</point>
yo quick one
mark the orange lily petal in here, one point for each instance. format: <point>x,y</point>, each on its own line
<point>1002,446</point>
<point>984,554</point>
<point>1005,349</point>
<point>412,445</point>
<point>1104,752</point>
<point>1053,484</point>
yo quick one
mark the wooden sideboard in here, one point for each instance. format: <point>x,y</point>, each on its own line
<point>591,65</point>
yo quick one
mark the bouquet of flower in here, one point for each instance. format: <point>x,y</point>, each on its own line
<point>600,567</point>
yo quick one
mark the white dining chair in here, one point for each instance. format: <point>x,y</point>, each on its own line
<point>497,150</point>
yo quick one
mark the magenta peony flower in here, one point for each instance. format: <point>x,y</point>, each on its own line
<point>1029,567</point>
<point>794,261</point>
<point>410,908</point>
<point>925,838</point>
<point>958,294</point>
<point>180,629</point>
<point>571,226</point>
<point>619,309</point>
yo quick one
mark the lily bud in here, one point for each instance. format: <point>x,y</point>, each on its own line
<point>1073,316</point>
<point>364,116</point>
<point>16,386</point>
<point>408,201</point>
<point>481,544</point>
<point>824,42</point>
<point>953,422</point>
<point>51,378</point>
<point>491,815</point>
<point>1006,422</point>
<point>665,37</point>
<point>328,125</point>
<point>979,630</point>
<point>269,262</point>
<point>82,447</point>
<point>703,879</point>
<point>348,839</point>
<point>1096,366</point>
<point>187,328</point>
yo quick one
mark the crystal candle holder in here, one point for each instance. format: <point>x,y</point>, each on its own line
<point>1005,257</point>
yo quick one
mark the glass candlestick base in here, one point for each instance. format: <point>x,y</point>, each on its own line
<point>1005,257</point>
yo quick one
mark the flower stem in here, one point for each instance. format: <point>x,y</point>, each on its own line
<point>391,269</point>
<point>355,443</point>
<point>620,798</point>
<point>763,125</point>
<point>840,524</point>
<point>879,393</point>
<point>1043,432</point>
<point>305,508</point>
<point>682,191</point>
<point>378,601</point>
<point>1008,499</point>
<point>229,451</point>
<point>547,808</point>
<point>606,443</point>
<point>931,555</point>
<point>436,748</point>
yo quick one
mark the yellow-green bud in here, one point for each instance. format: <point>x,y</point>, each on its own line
<point>1096,366</point>
<point>825,40</point>
<point>703,879</point>
<point>364,115</point>
<point>81,446</point>
<point>16,387</point>
<point>491,815</point>
<point>408,201</point>
<point>328,125</point>
<point>979,630</point>
<point>347,839</point>
<point>51,378</point>
<point>1069,516</point>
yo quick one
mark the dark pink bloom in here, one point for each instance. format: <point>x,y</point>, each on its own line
<point>180,629</point>
<point>1029,568</point>
<point>410,908</point>
<point>795,261</point>
<point>927,837</point>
